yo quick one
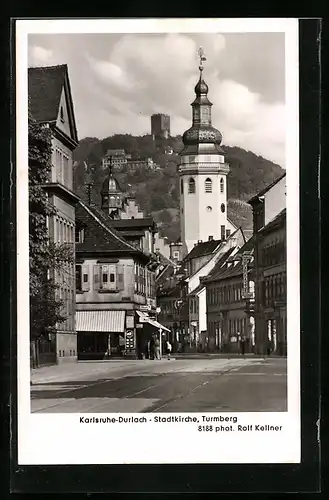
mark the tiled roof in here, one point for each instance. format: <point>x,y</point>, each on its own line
<point>98,237</point>
<point>130,223</point>
<point>219,264</point>
<point>204,248</point>
<point>228,272</point>
<point>267,188</point>
<point>167,272</point>
<point>45,85</point>
<point>197,289</point>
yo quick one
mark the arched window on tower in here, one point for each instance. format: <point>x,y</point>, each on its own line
<point>191,186</point>
<point>208,185</point>
<point>222,185</point>
<point>182,186</point>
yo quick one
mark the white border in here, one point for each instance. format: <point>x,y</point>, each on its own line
<point>60,439</point>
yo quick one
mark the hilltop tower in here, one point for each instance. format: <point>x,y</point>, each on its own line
<point>203,174</point>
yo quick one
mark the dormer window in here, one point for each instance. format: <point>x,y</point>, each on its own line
<point>62,114</point>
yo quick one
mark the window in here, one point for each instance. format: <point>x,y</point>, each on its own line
<point>221,183</point>
<point>222,207</point>
<point>228,233</point>
<point>62,114</point>
<point>182,186</point>
<point>191,186</point>
<point>176,254</point>
<point>82,278</point>
<point>208,185</point>
<point>108,277</point>
<point>79,235</point>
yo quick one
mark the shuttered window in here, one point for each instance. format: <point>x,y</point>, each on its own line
<point>108,277</point>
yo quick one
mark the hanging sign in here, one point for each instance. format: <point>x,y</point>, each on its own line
<point>246,257</point>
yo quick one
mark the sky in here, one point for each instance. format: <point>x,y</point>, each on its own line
<point>119,80</point>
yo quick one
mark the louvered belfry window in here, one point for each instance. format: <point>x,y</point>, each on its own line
<point>208,185</point>
<point>222,185</point>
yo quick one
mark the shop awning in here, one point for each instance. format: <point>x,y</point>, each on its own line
<point>144,318</point>
<point>100,321</point>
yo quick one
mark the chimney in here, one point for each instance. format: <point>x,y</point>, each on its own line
<point>210,238</point>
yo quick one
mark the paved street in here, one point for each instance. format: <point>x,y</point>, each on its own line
<point>215,384</point>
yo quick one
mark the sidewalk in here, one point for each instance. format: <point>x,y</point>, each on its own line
<point>227,355</point>
<point>73,371</point>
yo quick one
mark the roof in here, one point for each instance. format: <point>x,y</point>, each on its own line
<point>266,189</point>
<point>45,86</point>
<point>166,273</point>
<point>132,223</point>
<point>221,261</point>
<point>115,152</point>
<point>98,236</point>
<point>163,259</point>
<point>276,221</point>
<point>204,248</point>
<point>197,289</point>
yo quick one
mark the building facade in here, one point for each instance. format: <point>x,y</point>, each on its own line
<point>117,158</point>
<point>160,126</point>
<point>230,302</point>
<point>51,105</point>
<point>271,304</point>
<point>267,205</point>
<point>113,283</point>
<point>203,176</point>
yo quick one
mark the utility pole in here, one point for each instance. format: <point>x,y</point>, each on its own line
<point>89,169</point>
<point>89,187</point>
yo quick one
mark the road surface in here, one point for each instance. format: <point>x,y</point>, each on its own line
<point>181,385</point>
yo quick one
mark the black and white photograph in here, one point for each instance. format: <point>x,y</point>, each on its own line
<point>158,239</point>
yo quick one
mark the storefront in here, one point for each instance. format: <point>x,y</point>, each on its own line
<point>146,327</point>
<point>100,334</point>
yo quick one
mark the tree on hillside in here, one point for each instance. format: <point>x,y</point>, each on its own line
<point>45,256</point>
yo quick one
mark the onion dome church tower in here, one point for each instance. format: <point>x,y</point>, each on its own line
<point>203,173</point>
<point>112,195</point>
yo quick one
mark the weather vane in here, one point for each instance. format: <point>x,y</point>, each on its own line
<point>202,58</point>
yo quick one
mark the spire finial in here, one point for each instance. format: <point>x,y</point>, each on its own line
<point>110,165</point>
<point>202,58</point>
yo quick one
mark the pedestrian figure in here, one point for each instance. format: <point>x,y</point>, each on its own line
<point>168,349</point>
<point>269,348</point>
<point>152,347</point>
<point>157,348</point>
<point>242,344</point>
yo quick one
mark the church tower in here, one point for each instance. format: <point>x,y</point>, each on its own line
<point>112,195</point>
<point>202,174</point>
